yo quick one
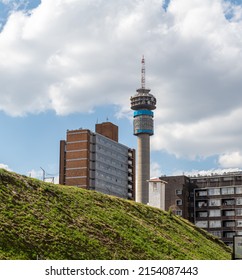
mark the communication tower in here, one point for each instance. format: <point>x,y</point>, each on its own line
<point>143,103</point>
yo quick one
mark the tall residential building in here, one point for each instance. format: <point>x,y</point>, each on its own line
<point>213,202</point>
<point>218,204</point>
<point>143,103</point>
<point>96,161</point>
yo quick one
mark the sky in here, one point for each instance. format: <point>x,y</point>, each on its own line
<point>67,64</point>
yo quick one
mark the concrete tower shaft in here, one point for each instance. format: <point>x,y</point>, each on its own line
<point>143,170</point>
<point>143,103</point>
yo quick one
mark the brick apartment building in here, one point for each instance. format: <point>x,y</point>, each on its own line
<point>213,202</point>
<point>96,161</point>
<point>179,196</point>
<point>218,204</point>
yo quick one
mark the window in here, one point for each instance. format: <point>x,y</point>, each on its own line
<point>179,202</point>
<point>201,180</point>
<point>202,224</point>
<point>239,201</point>
<point>202,193</point>
<point>239,223</point>
<point>214,224</point>
<point>227,178</point>
<point>229,224</point>
<point>202,204</point>
<point>214,179</point>
<point>178,192</point>
<point>214,191</point>
<point>178,212</point>
<point>216,233</point>
<point>229,234</point>
<point>229,213</point>
<point>239,212</point>
<point>214,202</point>
<point>238,190</point>
<point>228,190</point>
<point>214,213</point>
<point>202,214</point>
<point>227,202</point>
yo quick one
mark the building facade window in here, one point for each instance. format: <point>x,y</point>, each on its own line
<point>202,224</point>
<point>238,190</point>
<point>214,191</point>
<point>238,212</point>
<point>229,224</point>
<point>216,233</point>
<point>228,190</point>
<point>202,193</point>
<point>178,192</point>
<point>214,202</point>
<point>227,202</point>
<point>239,201</point>
<point>202,214</point>
<point>179,202</point>
<point>229,234</point>
<point>239,223</point>
<point>228,213</point>
<point>214,213</point>
<point>214,224</point>
<point>202,204</point>
<point>178,212</point>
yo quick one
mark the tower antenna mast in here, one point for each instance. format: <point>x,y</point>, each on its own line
<point>143,73</point>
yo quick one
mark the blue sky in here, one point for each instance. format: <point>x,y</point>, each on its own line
<point>68,64</point>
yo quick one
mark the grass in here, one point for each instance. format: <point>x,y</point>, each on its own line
<point>41,220</point>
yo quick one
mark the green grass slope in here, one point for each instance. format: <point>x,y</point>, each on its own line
<point>40,220</point>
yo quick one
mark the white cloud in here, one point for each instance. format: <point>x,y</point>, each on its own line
<point>231,160</point>
<point>5,166</point>
<point>5,2</point>
<point>205,137</point>
<point>200,109</point>
<point>155,170</point>
<point>209,172</point>
<point>70,56</point>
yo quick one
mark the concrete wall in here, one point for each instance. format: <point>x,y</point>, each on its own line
<point>157,194</point>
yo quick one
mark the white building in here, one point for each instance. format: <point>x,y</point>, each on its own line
<point>157,193</point>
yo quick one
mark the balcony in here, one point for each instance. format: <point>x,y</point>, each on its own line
<point>226,203</point>
<point>130,155</point>
<point>228,224</point>
<point>228,213</point>
<point>201,204</point>
<point>227,235</point>
<point>201,194</point>
<point>202,214</point>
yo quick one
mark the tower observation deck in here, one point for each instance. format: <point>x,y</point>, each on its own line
<point>143,103</point>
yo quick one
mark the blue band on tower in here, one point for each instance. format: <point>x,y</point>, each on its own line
<point>146,131</point>
<point>143,112</point>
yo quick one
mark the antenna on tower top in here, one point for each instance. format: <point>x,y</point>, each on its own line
<point>143,72</point>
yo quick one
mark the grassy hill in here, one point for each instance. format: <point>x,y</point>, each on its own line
<point>41,220</point>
